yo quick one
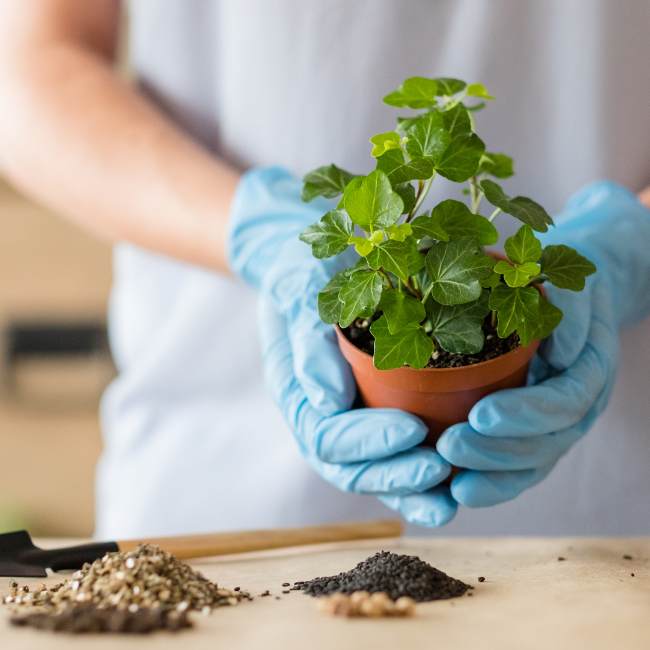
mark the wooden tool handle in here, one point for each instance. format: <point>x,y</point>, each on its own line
<point>262,540</point>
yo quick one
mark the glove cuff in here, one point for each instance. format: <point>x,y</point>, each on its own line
<point>608,224</point>
<point>266,213</point>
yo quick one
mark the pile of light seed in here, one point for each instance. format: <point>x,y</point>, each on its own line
<point>147,578</point>
<point>365,604</point>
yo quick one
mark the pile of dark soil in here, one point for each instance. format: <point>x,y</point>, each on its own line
<point>396,575</point>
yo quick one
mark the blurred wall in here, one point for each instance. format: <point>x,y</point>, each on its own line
<point>54,362</point>
<point>54,283</point>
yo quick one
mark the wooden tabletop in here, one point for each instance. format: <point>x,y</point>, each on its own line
<point>529,600</point>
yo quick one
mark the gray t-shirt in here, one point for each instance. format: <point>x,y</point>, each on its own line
<point>298,83</point>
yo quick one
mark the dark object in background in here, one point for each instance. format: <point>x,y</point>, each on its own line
<point>25,339</point>
<point>19,557</point>
<point>88,619</point>
<point>55,364</point>
<point>396,575</point>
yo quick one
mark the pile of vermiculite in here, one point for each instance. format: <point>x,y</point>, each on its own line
<point>134,592</point>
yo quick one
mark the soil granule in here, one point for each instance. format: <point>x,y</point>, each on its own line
<point>396,575</point>
<point>359,334</point>
<point>89,619</point>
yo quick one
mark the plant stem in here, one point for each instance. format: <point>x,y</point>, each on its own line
<point>423,190</point>
<point>414,292</point>
<point>386,277</point>
<point>427,292</point>
<point>494,214</point>
<point>476,194</point>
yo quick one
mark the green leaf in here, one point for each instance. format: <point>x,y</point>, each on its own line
<point>425,226</point>
<point>362,245</point>
<point>414,92</point>
<point>371,202</point>
<point>461,158</point>
<point>457,120</point>
<point>407,192</point>
<point>329,305</point>
<point>330,235</point>
<point>456,219</point>
<point>410,346</point>
<point>515,307</point>
<point>518,275</point>
<point>328,181</point>
<point>478,90</point>
<point>520,207</point>
<point>401,258</point>
<point>455,270</point>
<point>427,137</point>
<point>382,142</point>
<point>401,310</point>
<point>359,295</point>
<point>491,280</point>
<point>548,318</point>
<point>448,86</point>
<point>399,232</point>
<point>399,170</point>
<point>565,267</point>
<point>523,246</point>
<point>458,329</point>
<point>496,164</point>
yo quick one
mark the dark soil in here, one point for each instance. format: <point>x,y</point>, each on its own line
<point>359,334</point>
<point>396,575</point>
<point>89,619</point>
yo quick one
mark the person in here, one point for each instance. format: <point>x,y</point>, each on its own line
<point>193,440</point>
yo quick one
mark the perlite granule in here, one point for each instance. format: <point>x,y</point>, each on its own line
<point>147,578</point>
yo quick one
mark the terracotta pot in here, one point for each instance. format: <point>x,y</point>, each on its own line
<point>440,397</point>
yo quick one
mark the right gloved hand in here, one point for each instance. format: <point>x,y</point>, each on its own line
<point>368,451</point>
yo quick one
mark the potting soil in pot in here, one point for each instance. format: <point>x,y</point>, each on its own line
<point>393,574</point>
<point>359,334</point>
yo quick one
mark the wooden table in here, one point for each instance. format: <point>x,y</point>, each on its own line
<point>529,600</point>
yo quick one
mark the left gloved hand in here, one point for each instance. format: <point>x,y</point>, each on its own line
<point>367,451</point>
<point>515,437</point>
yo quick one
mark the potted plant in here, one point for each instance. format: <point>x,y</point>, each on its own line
<point>429,321</point>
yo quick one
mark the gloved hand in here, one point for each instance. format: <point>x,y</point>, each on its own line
<point>368,451</point>
<point>515,437</point>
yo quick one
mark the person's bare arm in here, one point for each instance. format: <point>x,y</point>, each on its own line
<point>84,142</point>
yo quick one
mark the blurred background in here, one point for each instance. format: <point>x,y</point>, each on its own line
<point>54,364</point>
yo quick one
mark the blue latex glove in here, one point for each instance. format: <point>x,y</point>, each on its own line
<point>515,437</point>
<point>368,451</point>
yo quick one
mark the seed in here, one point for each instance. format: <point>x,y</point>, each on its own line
<point>365,605</point>
<point>481,579</point>
<point>561,559</point>
<point>627,557</point>
<point>406,605</point>
<point>358,597</point>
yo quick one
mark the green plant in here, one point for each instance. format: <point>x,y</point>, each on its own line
<point>425,279</point>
